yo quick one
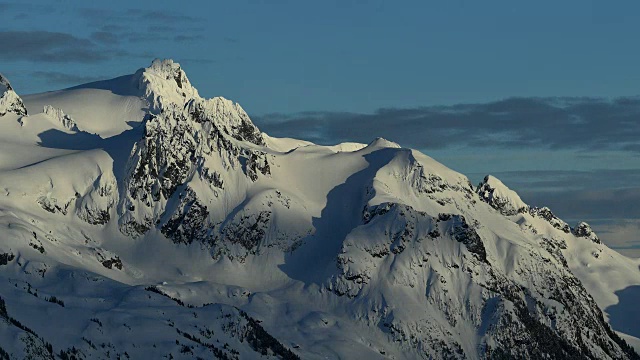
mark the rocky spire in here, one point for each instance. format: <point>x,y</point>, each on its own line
<point>500,197</point>
<point>167,89</point>
<point>10,102</point>
<point>183,131</point>
<point>583,230</point>
<point>165,83</point>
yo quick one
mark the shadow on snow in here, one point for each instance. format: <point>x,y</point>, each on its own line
<point>118,147</point>
<point>625,315</point>
<point>315,261</point>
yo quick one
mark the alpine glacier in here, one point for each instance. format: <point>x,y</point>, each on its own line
<point>140,220</point>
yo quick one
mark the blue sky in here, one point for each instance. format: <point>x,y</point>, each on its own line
<point>289,56</point>
<point>437,76</point>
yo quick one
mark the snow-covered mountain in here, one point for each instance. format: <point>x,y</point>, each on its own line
<point>139,220</point>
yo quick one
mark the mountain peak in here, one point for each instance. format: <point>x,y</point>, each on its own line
<point>10,102</point>
<point>500,197</point>
<point>4,84</point>
<point>583,230</point>
<point>164,82</point>
<point>381,142</point>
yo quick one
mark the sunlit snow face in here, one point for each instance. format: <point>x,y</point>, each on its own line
<point>575,155</point>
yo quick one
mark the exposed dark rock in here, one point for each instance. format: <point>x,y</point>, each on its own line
<point>113,262</point>
<point>189,221</point>
<point>466,234</point>
<point>546,214</point>
<point>5,258</point>
<point>10,102</point>
<point>176,145</point>
<point>51,205</point>
<point>508,203</point>
<point>248,231</point>
<point>583,230</point>
<point>263,342</point>
<point>370,212</point>
<point>254,163</point>
<point>96,217</point>
<point>212,177</point>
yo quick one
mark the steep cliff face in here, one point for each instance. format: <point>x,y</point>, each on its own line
<point>191,148</point>
<point>181,230</point>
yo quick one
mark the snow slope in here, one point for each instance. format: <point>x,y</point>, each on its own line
<point>147,221</point>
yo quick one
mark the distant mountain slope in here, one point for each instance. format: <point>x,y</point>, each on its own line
<point>140,220</point>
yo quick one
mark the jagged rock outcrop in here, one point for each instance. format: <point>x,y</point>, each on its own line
<point>558,319</point>
<point>189,222</point>
<point>59,116</point>
<point>185,135</point>
<point>495,193</point>
<point>164,83</point>
<point>10,102</point>
<point>583,230</point>
<point>492,191</point>
<point>546,214</point>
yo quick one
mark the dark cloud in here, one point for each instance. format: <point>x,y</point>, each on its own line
<point>111,30</point>
<point>585,124</point>
<point>561,180</point>
<point>578,195</point>
<point>613,227</point>
<point>620,234</point>
<point>8,8</point>
<point>589,204</point>
<point>105,37</point>
<point>632,147</point>
<point>59,78</point>
<point>553,123</point>
<point>609,200</point>
<point>46,46</point>
<point>145,25</point>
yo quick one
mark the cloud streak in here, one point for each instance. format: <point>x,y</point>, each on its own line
<point>60,78</point>
<point>159,26</point>
<point>560,180</point>
<point>47,46</point>
<point>105,37</point>
<point>553,123</point>
<point>589,204</point>
<point>575,195</point>
<point>112,34</point>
